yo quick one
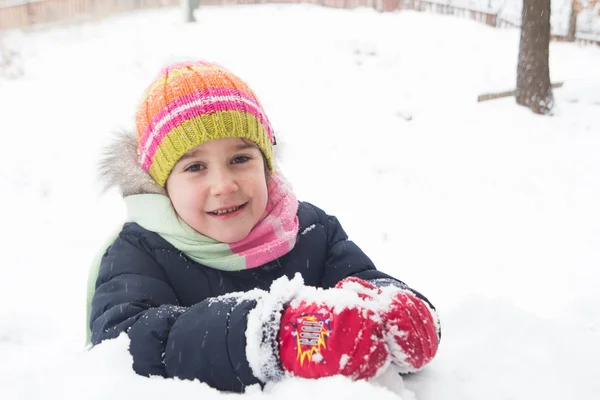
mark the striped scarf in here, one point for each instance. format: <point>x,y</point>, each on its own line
<point>274,235</point>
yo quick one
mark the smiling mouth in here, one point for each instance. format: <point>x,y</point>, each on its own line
<point>224,211</point>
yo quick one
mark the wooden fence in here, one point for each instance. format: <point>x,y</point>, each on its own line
<point>21,13</point>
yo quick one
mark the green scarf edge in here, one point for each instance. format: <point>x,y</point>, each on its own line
<point>155,213</point>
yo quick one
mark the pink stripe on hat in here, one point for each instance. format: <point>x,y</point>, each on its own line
<point>198,107</point>
<point>206,94</point>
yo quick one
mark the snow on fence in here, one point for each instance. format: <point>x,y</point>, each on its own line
<point>21,13</point>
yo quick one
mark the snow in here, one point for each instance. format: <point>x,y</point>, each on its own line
<point>489,210</point>
<point>308,229</point>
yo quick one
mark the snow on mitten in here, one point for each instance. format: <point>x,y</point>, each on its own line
<point>317,340</point>
<point>409,327</point>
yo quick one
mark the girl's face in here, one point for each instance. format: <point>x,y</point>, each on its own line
<point>219,188</point>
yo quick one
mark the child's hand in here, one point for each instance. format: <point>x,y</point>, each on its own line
<point>409,329</point>
<point>317,340</point>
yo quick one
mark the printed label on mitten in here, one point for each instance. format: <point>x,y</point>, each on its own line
<point>311,333</point>
<point>316,342</point>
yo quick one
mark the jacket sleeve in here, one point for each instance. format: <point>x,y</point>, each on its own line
<point>346,259</point>
<point>205,341</point>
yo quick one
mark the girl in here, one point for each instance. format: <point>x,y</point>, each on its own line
<point>198,277</point>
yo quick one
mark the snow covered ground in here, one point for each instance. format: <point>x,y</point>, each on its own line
<point>488,209</point>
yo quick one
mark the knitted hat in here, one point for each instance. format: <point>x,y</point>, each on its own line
<point>191,103</point>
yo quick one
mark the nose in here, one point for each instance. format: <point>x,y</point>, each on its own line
<point>222,182</point>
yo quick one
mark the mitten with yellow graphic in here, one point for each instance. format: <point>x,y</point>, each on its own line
<point>317,340</point>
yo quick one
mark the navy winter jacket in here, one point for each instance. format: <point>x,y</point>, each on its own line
<point>166,302</point>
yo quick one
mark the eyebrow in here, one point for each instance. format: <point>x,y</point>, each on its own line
<point>237,147</point>
<point>244,146</point>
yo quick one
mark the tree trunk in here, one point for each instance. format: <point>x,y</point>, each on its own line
<point>572,31</point>
<point>188,11</point>
<point>533,73</point>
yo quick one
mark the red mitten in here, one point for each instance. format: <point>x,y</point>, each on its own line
<point>410,331</point>
<point>316,341</point>
<point>409,328</point>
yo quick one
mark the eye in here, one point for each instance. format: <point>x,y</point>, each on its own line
<point>240,159</point>
<point>194,167</point>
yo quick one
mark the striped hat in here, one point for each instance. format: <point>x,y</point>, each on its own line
<point>190,103</point>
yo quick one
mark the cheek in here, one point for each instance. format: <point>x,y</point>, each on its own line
<point>262,192</point>
<point>255,186</point>
<point>183,195</point>
<point>254,180</point>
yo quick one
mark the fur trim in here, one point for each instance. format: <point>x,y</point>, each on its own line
<point>119,168</point>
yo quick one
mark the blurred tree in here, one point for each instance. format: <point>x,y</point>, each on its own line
<point>187,7</point>
<point>533,72</point>
<point>578,6</point>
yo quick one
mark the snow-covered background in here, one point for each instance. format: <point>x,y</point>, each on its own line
<point>488,209</point>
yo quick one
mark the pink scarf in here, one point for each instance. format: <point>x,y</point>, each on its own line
<point>276,232</point>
